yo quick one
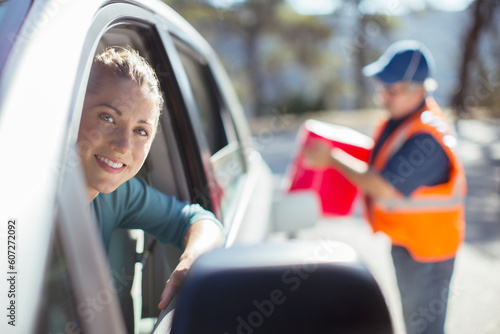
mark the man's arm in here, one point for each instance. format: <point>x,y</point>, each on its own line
<point>320,155</point>
<point>201,237</point>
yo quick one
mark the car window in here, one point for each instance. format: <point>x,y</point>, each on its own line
<point>12,14</point>
<point>158,169</point>
<point>171,167</point>
<point>226,156</point>
<point>205,98</point>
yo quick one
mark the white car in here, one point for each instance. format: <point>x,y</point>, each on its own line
<point>57,275</point>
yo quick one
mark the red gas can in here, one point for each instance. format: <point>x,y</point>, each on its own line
<point>336,192</point>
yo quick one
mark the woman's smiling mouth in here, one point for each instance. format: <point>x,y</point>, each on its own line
<point>115,165</point>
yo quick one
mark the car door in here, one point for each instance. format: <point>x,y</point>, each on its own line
<point>201,155</point>
<point>62,281</point>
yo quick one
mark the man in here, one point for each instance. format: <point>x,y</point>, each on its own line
<point>414,184</point>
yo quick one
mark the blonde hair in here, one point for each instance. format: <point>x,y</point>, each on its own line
<point>125,63</point>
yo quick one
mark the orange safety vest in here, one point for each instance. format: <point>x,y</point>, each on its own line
<point>430,222</point>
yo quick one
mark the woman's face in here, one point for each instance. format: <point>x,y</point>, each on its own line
<point>116,130</point>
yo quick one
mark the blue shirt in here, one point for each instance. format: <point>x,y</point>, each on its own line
<point>414,165</point>
<point>420,161</point>
<point>135,205</point>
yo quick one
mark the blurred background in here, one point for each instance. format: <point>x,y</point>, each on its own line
<point>306,55</point>
<point>291,60</point>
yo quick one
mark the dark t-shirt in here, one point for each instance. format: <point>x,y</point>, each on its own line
<point>420,161</point>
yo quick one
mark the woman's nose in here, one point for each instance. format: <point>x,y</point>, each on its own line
<point>120,141</point>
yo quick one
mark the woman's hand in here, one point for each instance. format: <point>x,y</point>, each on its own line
<point>174,282</point>
<point>201,237</point>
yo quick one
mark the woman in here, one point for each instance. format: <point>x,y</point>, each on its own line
<point>119,121</point>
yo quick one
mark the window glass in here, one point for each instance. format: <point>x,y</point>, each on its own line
<point>206,102</point>
<point>59,309</point>
<point>226,155</point>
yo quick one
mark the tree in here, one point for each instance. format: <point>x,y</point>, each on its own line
<point>364,22</point>
<point>273,39</point>
<point>482,14</point>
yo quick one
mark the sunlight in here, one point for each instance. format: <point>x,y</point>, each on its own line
<point>314,7</point>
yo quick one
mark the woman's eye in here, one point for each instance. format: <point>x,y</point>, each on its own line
<point>107,118</point>
<point>141,132</point>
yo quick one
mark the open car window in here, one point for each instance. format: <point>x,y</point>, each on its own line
<point>174,164</point>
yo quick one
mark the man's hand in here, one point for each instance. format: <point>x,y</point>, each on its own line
<point>317,155</point>
<point>320,155</point>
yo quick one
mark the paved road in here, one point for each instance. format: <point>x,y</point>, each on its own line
<point>475,289</point>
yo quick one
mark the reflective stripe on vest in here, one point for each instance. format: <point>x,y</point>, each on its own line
<point>441,203</point>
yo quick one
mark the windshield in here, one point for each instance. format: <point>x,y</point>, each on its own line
<point>12,14</point>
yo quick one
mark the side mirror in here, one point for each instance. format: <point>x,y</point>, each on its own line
<point>295,210</point>
<point>293,287</point>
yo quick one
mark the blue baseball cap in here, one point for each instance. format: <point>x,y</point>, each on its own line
<point>403,61</point>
